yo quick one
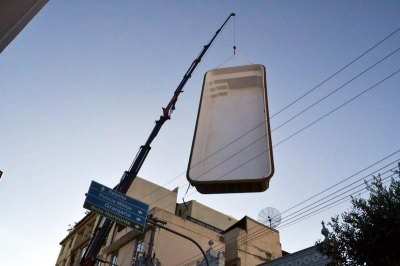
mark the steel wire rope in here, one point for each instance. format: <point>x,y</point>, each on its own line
<point>284,122</point>
<point>254,236</point>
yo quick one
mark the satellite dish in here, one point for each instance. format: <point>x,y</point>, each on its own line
<point>270,217</point>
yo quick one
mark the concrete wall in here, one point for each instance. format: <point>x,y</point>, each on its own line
<point>173,250</point>
<point>251,244</point>
<point>205,214</point>
<point>153,194</point>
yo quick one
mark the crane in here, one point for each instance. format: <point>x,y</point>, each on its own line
<point>104,225</point>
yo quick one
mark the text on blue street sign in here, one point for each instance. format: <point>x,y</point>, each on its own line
<point>124,207</point>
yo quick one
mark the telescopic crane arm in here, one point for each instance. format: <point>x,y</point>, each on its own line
<point>104,225</point>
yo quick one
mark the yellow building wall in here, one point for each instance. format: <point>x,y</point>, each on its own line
<point>153,194</point>
<point>253,246</point>
<point>173,250</point>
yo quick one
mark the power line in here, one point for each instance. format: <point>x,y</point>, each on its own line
<point>309,213</point>
<point>283,124</point>
<point>373,47</point>
<point>254,236</point>
<point>337,89</point>
<point>368,167</point>
<point>309,125</point>
<point>323,116</point>
<point>292,222</point>
<point>345,179</point>
<point>327,114</point>
<point>343,68</point>
<point>287,120</point>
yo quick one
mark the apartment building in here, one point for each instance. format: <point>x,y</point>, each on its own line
<point>225,240</point>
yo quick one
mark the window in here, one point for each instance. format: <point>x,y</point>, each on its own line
<point>83,251</point>
<point>139,246</point>
<point>210,227</point>
<point>137,256</point>
<point>72,262</point>
<point>114,259</point>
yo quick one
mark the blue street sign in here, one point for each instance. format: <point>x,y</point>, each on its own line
<point>116,206</point>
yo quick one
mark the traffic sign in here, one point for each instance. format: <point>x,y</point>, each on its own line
<point>116,206</point>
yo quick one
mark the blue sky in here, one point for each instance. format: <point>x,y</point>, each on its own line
<point>83,83</point>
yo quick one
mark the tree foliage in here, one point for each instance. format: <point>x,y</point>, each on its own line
<point>369,234</point>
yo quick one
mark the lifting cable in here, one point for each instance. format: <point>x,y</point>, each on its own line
<point>234,48</point>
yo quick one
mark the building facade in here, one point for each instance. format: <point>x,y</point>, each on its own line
<point>305,257</point>
<point>234,243</point>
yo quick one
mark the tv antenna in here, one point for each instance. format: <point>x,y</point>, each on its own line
<point>270,217</point>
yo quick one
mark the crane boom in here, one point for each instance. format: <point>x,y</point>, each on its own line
<point>104,225</point>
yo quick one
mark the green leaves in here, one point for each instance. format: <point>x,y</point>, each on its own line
<point>369,234</point>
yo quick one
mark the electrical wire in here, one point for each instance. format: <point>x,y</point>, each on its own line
<point>363,72</point>
<point>330,77</point>
<point>301,218</point>
<point>343,68</point>
<point>287,224</point>
<point>366,70</point>
<point>324,82</point>
<point>335,109</point>
<point>254,233</point>
<point>253,236</point>
<point>309,125</point>
<point>345,179</point>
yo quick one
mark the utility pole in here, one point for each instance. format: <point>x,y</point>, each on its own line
<point>150,257</point>
<point>151,245</point>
